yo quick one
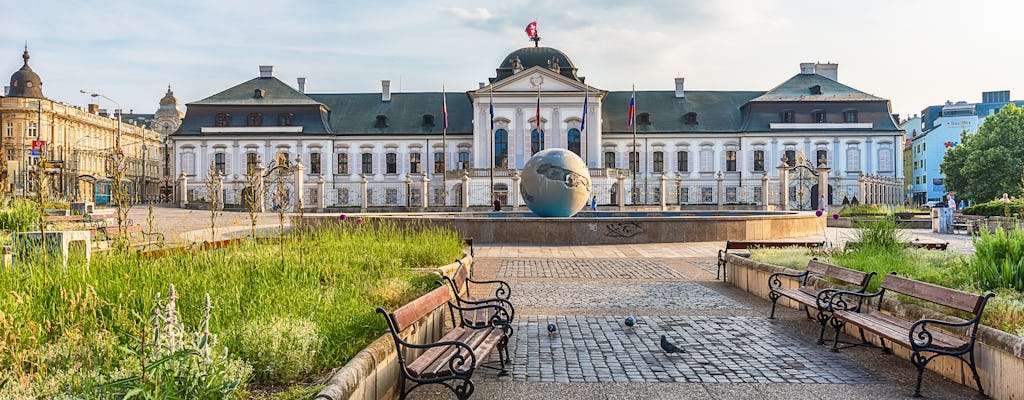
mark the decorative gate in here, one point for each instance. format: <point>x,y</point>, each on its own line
<point>802,178</point>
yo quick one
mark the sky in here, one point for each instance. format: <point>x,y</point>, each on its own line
<point>914,53</point>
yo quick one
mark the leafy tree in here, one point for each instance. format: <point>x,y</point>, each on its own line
<point>988,163</point>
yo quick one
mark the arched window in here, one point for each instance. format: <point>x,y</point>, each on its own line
<point>852,159</point>
<point>222,119</point>
<point>285,119</point>
<point>609,159</point>
<point>884,160</point>
<point>254,119</point>
<point>574,141</point>
<point>536,141</point>
<point>683,161</point>
<point>501,148</point>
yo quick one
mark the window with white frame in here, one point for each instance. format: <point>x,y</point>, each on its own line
<point>414,162</point>
<point>314,163</point>
<point>609,159</point>
<point>852,159</point>
<point>759,160</point>
<point>342,163</point>
<point>730,160</point>
<point>707,161</point>
<point>885,159</point>
<point>367,163</point>
<point>659,161</point>
<point>683,161</point>
<point>188,163</point>
<point>391,163</point>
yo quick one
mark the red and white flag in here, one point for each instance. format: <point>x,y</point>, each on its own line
<point>531,30</point>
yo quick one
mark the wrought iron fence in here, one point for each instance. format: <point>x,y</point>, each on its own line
<point>349,195</point>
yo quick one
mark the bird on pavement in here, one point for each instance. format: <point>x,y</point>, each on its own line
<point>669,347</point>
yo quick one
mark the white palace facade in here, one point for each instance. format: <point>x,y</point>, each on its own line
<point>690,148</point>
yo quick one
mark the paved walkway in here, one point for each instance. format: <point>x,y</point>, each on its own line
<point>733,350</point>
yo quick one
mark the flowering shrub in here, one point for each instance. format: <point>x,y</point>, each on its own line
<point>280,349</point>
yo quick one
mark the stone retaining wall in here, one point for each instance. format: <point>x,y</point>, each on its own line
<point>999,355</point>
<point>374,373</point>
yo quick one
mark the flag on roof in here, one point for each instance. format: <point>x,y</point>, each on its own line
<point>531,29</point>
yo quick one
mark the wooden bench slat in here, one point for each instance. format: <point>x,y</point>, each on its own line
<point>951,298</point>
<point>412,312</point>
<point>425,360</point>
<point>749,244</point>
<point>800,296</point>
<point>897,330</point>
<point>834,271</point>
<point>437,366</point>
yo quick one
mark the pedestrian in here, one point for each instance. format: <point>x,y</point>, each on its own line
<point>952,201</point>
<point>593,204</point>
<point>497,204</point>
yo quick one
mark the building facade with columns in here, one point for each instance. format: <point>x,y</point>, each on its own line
<point>73,145</point>
<point>685,147</point>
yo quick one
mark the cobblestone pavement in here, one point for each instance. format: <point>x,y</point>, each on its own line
<point>732,350</point>
<point>659,295</point>
<point>589,269</point>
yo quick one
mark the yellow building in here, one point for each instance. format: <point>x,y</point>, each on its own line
<point>76,147</point>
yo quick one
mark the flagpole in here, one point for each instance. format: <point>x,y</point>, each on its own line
<point>490,139</point>
<point>444,148</point>
<point>583,129</point>
<point>634,147</point>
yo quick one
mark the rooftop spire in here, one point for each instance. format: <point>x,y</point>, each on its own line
<point>24,55</point>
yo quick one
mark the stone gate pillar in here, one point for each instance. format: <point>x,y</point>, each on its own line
<point>321,196</point>
<point>823,202</point>
<point>720,189</point>
<point>425,197</point>
<point>515,190</point>
<point>408,190</point>
<point>783,186</point>
<point>679,191</point>
<point>465,190</point>
<point>621,191</point>
<point>182,190</point>
<point>218,187</point>
<point>364,202</point>
<point>663,182</point>
<point>299,177</point>
<point>764,190</point>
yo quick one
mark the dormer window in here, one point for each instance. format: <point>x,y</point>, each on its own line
<point>816,89</point>
<point>850,116</point>
<point>787,116</point>
<point>258,93</point>
<point>222,119</point>
<point>643,119</point>
<point>428,120</point>
<point>818,116</point>
<point>254,119</point>
<point>285,119</point>
<point>382,122</point>
<point>690,118</point>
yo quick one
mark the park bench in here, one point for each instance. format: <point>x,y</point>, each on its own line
<point>969,224</point>
<point>459,283</point>
<point>469,242</point>
<point>455,356</point>
<point>917,243</point>
<point>926,338</point>
<point>137,235</point>
<point>808,297</point>
<point>87,220</point>
<point>750,244</point>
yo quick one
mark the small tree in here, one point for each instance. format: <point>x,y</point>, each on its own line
<point>253,196</point>
<point>119,193</point>
<point>213,192</point>
<point>39,180</point>
<point>985,164</point>
<point>282,197</point>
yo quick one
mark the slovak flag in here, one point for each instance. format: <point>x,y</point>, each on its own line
<point>444,109</point>
<point>531,30</point>
<point>632,109</point>
<point>537,117</point>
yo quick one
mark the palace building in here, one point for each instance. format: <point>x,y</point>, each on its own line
<point>686,148</point>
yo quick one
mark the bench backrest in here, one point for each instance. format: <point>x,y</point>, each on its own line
<point>749,244</point>
<point>408,314</point>
<point>460,277</point>
<point>836,272</point>
<point>951,298</point>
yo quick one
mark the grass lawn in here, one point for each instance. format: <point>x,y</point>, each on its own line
<point>284,314</point>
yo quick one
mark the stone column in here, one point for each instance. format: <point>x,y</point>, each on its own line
<point>425,197</point>
<point>299,176</point>
<point>720,189</point>
<point>662,181</point>
<point>218,186</point>
<point>465,190</point>
<point>764,190</point>
<point>515,190</point>
<point>364,202</point>
<point>408,190</point>
<point>783,187</point>
<point>257,189</point>
<point>182,190</point>
<point>321,197</point>
<point>679,190</point>
<point>861,188</point>
<point>621,191</point>
<point>823,186</point>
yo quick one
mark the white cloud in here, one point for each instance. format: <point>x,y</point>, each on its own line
<point>475,15</point>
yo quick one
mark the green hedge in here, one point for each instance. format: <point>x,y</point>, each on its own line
<point>996,208</point>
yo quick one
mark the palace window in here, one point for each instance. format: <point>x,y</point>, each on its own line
<point>818,116</point>
<point>759,160</point>
<point>258,93</point>
<point>428,120</point>
<point>33,129</point>
<point>464,159</point>
<point>609,159</point>
<point>536,141</point>
<point>343,163</point>
<point>381,122</point>
<point>634,161</point>
<point>222,119</point>
<point>816,89</point>
<point>501,148</point>
<point>438,162</point>
<point>574,140</point>
<point>850,116</point>
<point>820,157</point>
<point>414,163</point>
<point>643,119</point>
<point>218,163</point>
<point>884,160</point>
<point>254,119</point>
<point>314,163</point>
<point>791,157</point>
<point>707,163</point>
<point>285,119</point>
<point>690,118</point>
<point>282,158</point>
<point>852,159</point>
<point>787,116</point>
<point>659,161</point>
<point>391,163</point>
<point>10,128</point>
<point>730,160</point>
<point>188,163</point>
<point>251,162</point>
<point>367,163</point>
<point>683,161</point>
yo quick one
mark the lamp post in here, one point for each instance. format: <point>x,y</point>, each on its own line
<point>117,155</point>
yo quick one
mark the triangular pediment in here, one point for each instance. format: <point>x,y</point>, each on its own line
<point>526,82</point>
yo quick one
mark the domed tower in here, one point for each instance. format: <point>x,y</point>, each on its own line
<point>528,57</point>
<point>168,117</point>
<point>25,82</point>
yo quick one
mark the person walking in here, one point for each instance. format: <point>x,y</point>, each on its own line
<point>593,204</point>
<point>497,204</point>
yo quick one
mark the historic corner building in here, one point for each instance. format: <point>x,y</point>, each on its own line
<point>73,145</point>
<point>689,147</point>
<point>939,129</point>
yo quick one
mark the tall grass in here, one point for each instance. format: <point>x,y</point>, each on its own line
<point>999,259</point>
<point>56,323</point>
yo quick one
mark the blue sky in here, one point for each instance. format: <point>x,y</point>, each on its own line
<point>915,53</point>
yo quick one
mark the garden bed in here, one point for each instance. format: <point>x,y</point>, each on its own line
<point>285,311</point>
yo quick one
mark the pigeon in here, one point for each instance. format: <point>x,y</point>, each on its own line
<point>669,347</point>
<point>551,329</point>
<point>631,322</point>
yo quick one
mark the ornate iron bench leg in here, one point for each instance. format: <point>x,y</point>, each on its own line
<point>774,297</point>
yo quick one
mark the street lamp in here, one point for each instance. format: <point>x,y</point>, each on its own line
<point>117,155</point>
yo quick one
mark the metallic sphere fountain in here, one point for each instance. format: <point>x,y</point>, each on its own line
<point>556,183</point>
